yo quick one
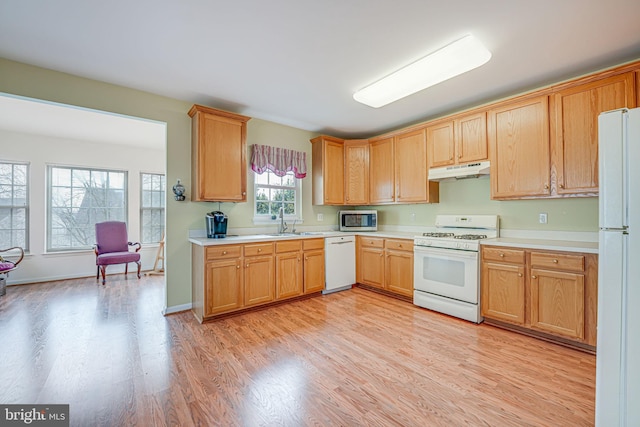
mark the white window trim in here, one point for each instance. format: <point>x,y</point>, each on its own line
<point>289,219</point>
<point>142,208</point>
<point>49,167</point>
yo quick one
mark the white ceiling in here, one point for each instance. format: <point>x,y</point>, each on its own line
<point>25,115</point>
<point>298,62</point>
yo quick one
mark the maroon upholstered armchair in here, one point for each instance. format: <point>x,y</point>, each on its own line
<point>112,247</point>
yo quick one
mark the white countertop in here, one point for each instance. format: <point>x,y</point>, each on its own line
<point>552,245</point>
<point>546,244</point>
<point>252,238</point>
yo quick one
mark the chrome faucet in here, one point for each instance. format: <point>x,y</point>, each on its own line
<point>283,225</point>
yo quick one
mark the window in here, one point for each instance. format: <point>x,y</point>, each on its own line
<point>14,205</point>
<point>78,198</point>
<point>273,192</point>
<point>152,207</point>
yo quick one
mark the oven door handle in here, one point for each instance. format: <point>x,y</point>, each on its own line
<point>452,253</point>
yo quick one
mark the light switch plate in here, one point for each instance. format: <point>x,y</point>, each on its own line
<point>542,218</point>
<point>320,217</point>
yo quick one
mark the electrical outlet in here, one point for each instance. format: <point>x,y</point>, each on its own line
<point>542,218</point>
<point>320,217</point>
<point>413,217</point>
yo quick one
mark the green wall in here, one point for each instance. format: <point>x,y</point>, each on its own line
<point>455,197</point>
<point>474,196</point>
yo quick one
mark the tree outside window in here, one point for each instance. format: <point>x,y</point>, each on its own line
<point>273,192</point>
<point>14,205</point>
<point>78,198</point>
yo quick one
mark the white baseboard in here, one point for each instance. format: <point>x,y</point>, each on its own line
<point>176,309</point>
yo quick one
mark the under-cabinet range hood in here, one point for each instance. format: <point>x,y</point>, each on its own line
<point>470,170</point>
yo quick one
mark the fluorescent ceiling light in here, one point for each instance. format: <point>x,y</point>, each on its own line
<point>456,58</point>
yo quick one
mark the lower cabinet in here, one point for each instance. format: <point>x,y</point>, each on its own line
<point>288,269</point>
<point>399,266</point>
<point>386,264</point>
<point>548,292</point>
<point>229,278</point>
<point>313,266</point>
<point>259,274</point>
<point>223,298</point>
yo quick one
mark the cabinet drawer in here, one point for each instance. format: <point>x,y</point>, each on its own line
<point>288,246</point>
<point>557,261</point>
<point>258,249</point>
<point>399,245</point>
<point>371,242</point>
<point>310,244</point>
<point>217,252</point>
<point>514,256</point>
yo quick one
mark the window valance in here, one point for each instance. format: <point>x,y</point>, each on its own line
<point>278,160</point>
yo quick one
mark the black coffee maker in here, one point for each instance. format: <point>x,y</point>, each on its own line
<point>216,225</point>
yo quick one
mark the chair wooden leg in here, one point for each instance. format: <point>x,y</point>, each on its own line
<point>126,269</point>
<point>139,265</point>
<point>103,269</point>
<point>97,272</point>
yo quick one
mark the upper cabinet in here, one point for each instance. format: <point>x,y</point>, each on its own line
<point>519,149</point>
<point>218,155</point>
<point>574,130</point>
<point>410,154</point>
<point>398,170</point>
<point>381,178</point>
<point>328,170</point>
<point>458,141</point>
<point>356,172</point>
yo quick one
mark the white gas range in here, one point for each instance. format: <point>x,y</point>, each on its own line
<point>446,276</point>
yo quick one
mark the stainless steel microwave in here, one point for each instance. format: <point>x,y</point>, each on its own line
<point>358,220</point>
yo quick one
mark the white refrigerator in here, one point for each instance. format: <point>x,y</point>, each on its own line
<point>618,346</point>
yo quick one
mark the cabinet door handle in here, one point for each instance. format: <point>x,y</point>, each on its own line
<point>501,255</point>
<point>238,266</point>
<point>534,277</point>
<point>224,252</point>
<point>555,261</point>
<point>259,249</point>
<point>459,156</point>
<point>381,255</point>
<point>247,266</point>
<point>244,193</point>
<point>519,274</point>
<point>306,258</point>
<point>561,185</point>
<point>546,186</point>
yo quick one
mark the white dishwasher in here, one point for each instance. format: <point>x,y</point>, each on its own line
<point>339,263</point>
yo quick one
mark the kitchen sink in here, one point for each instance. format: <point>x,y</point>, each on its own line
<point>297,233</point>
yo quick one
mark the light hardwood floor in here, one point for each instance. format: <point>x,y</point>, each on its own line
<point>352,358</point>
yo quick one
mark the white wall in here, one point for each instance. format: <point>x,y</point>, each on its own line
<point>39,151</point>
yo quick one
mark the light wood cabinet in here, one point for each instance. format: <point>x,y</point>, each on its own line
<point>385,264</point>
<point>519,149</point>
<point>410,154</point>
<point>574,131</point>
<point>558,294</point>
<point>231,278</point>
<point>370,261</point>
<point>288,269</point>
<point>503,292</point>
<point>223,280</point>
<point>398,170</point>
<point>218,150</point>
<point>551,293</point>
<point>313,267</point>
<point>458,141</point>
<point>328,170</point>
<point>399,266</point>
<point>356,172</point>
<point>259,274</point>
<point>381,171</point>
